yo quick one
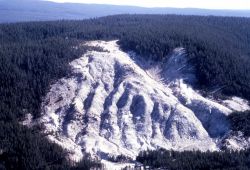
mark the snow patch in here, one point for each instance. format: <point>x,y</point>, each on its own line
<point>236,104</point>
<point>116,166</point>
<point>28,120</point>
<point>235,141</point>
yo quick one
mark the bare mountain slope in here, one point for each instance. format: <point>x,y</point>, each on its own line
<point>116,103</point>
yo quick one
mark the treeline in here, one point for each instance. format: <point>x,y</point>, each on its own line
<point>27,68</point>
<point>218,46</point>
<point>190,160</point>
<point>33,55</point>
<point>24,148</point>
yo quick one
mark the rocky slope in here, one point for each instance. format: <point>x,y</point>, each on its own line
<point>117,103</point>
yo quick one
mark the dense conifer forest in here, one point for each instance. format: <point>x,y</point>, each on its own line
<point>34,54</point>
<point>189,160</point>
<point>240,121</point>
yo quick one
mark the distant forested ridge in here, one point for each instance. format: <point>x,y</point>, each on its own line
<point>33,55</point>
<point>39,10</point>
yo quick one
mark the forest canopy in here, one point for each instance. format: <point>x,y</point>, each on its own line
<point>190,160</point>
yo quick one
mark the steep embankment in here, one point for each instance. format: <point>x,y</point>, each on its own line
<point>116,103</point>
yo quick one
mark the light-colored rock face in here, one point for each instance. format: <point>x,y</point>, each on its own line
<point>117,103</point>
<point>235,141</point>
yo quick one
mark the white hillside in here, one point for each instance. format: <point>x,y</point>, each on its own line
<point>116,103</point>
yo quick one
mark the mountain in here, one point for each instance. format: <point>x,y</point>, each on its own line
<point>36,10</point>
<point>75,94</point>
<point>116,103</point>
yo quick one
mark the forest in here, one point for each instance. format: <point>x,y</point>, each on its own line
<point>240,121</point>
<point>189,160</point>
<point>35,54</point>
